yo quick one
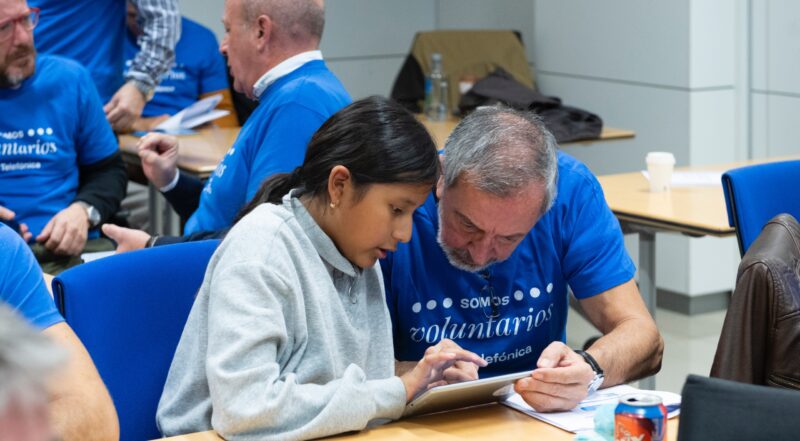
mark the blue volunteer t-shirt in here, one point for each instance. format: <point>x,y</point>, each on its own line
<point>21,284</point>
<point>577,243</point>
<point>273,140</point>
<point>198,69</point>
<point>88,31</point>
<point>52,124</point>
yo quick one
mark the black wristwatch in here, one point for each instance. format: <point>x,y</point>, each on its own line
<point>599,376</point>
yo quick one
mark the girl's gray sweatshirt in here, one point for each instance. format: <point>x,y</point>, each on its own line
<point>286,339</point>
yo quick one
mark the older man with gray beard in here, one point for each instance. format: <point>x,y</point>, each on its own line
<point>511,225</point>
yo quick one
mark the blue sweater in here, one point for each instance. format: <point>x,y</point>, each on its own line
<point>272,141</point>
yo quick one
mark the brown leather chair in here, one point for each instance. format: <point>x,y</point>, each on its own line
<point>760,340</point>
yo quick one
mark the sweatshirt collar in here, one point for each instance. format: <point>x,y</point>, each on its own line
<point>322,242</point>
<point>286,67</point>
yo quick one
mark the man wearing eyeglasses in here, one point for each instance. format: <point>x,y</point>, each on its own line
<point>61,174</point>
<point>512,224</point>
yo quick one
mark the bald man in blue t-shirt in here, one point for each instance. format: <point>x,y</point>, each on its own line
<point>279,63</point>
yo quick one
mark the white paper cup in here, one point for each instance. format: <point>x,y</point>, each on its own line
<point>659,167</point>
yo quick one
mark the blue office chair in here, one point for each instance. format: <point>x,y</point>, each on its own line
<point>129,311</point>
<point>757,193</point>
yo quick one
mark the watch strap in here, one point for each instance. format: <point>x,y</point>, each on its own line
<point>152,241</point>
<point>590,361</point>
<point>599,376</point>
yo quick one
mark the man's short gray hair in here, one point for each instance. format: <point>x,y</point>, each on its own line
<point>27,358</point>
<point>299,20</point>
<point>500,150</point>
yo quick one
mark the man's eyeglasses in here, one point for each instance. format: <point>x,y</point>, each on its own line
<point>27,21</point>
<point>487,291</point>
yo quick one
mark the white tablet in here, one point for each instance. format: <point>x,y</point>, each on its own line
<point>468,393</point>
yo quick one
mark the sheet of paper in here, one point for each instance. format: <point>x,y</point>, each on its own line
<point>198,113</point>
<point>693,179</point>
<point>582,417</point>
<point>189,123</point>
<point>202,106</point>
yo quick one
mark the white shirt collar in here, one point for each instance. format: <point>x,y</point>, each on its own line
<point>286,67</point>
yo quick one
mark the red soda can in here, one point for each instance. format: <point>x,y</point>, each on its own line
<point>640,417</point>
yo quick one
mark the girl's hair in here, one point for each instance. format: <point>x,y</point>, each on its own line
<point>375,138</point>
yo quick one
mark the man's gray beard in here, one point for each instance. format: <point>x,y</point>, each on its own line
<point>457,258</point>
<point>11,81</point>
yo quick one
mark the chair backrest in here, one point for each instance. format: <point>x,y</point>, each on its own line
<point>715,409</point>
<point>129,311</point>
<point>757,193</point>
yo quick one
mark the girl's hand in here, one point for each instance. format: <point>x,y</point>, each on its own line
<point>442,363</point>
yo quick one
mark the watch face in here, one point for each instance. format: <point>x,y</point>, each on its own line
<point>94,215</point>
<point>597,381</point>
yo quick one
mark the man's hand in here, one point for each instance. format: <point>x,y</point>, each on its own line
<point>560,381</point>
<point>159,154</point>
<point>125,106</point>
<point>67,231</point>
<point>8,215</point>
<point>127,239</point>
<point>430,371</point>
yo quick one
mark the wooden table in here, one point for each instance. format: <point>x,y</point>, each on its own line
<point>440,130</point>
<point>491,422</point>
<point>198,155</point>
<point>694,211</point>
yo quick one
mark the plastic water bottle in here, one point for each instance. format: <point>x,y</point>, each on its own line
<point>436,107</point>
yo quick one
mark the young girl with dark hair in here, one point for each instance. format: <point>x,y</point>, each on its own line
<point>290,336</point>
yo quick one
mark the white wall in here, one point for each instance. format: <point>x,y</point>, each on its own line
<point>666,70</point>
<point>775,88</point>
<point>206,12</point>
